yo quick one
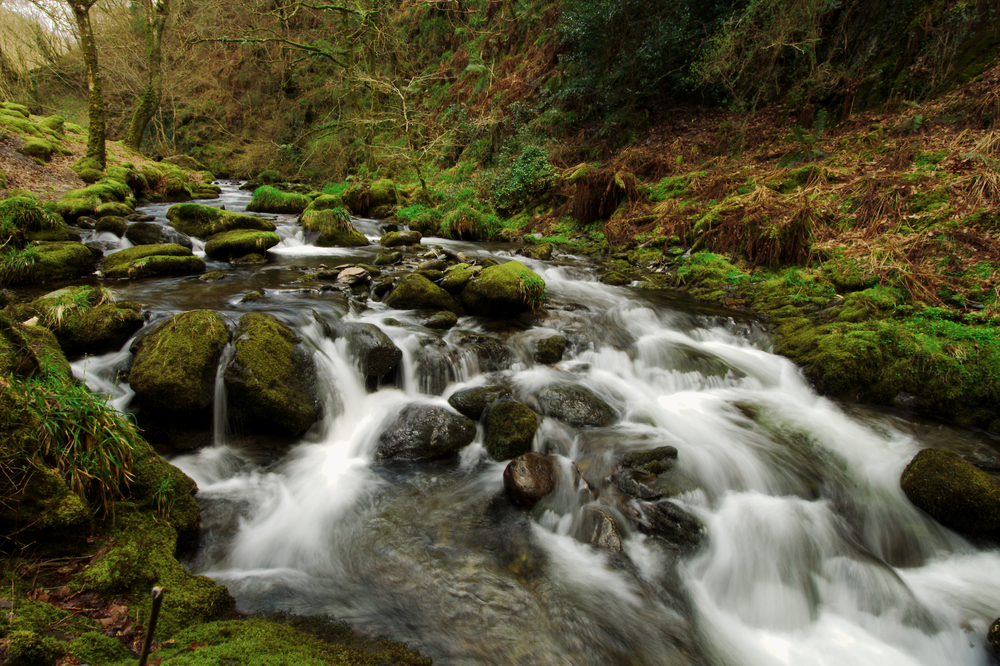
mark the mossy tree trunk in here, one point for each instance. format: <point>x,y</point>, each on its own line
<point>95,140</point>
<point>157,12</point>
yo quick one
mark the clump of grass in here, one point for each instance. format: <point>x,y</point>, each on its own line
<point>468,223</point>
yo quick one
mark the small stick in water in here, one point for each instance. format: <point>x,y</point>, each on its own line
<point>157,593</point>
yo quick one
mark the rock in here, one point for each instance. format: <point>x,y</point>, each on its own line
<point>550,350</point>
<point>62,260</point>
<point>114,209</point>
<point>472,402</point>
<point>614,279</point>
<point>382,193</point>
<point>375,352</point>
<point>185,162</point>
<point>425,432</point>
<point>655,461</point>
<point>441,320</point>
<point>382,286</point>
<point>491,353</point>
<point>541,251</point>
<point>415,292</point>
<point>993,637</point>
<point>271,379</point>
<point>381,212</point>
<point>673,524</point>
<point>530,477</point>
<point>237,243</point>
<point>388,258</point>
<point>954,492</point>
<point>334,227</point>
<point>504,289</point>
<point>144,233</point>
<point>400,238</point>
<point>354,275</point>
<point>510,429</point>
<point>249,260</point>
<point>457,276</point>
<point>576,405</point>
<point>599,529</point>
<point>435,368</point>
<point>214,276</point>
<point>635,486</point>
<point>205,221</point>
<point>432,265</point>
<point>173,374</point>
<point>112,224</point>
<point>85,323</point>
<point>86,222</point>
<point>151,260</point>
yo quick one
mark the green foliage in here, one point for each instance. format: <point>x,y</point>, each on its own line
<point>268,199</point>
<point>269,176</point>
<point>424,219</point>
<point>17,264</point>
<point>469,223</point>
<point>527,177</point>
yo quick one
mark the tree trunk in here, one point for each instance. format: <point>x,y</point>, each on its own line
<point>95,140</point>
<point>156,19</point>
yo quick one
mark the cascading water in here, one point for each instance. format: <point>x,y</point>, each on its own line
<point>811,552</point>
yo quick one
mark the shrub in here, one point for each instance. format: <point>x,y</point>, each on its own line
<point>529,176</point>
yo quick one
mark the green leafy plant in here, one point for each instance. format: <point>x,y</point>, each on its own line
<point>529,176</point>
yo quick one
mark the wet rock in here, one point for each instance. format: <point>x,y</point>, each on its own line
<point>614,279</point>
<point>491,353</point>
<point>271,379</point>
<point>530,477</point>
<point>388,258</point>
<point>432,265</point>
<point>231,245</point>
<point>151,260</point>
<point>334,227</point>
<point>60,260</point>
<point>435,366</point>
<point>576,405</point>
<point>214,276</point>
<point>252,297</point>
<point>353,275</point>
<point>415,292</point>
<point>636,486</point>
<point>433,276</point>
<point>425,432</point>
<point>550,350</point>
<point>175,365</point>
<point>905,400</point>
<point>456,277</point>
<point>111,224</point>
<point>85,222</point>
<point>400,238</point>
<point>993,637</point>
<point>542,251</point>
<point>249,259</point>
<point>672,524</point>
<point>441,320</point>
<point>504,289</point>
<point>205,221</point>
<point>655,461</point>
<point>472,402</point>
<point>600,530</point>
<point>375,352</point>
<point>510,429</point>
<point>144,233</point>
<point>954,492</point>
<point>84,321</point>
<point>382,286</point>
<point>381,212</point>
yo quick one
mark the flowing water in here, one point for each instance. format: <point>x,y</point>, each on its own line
<point>812,554</point>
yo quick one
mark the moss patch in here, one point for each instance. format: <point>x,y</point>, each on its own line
<point>268,199</point>
<point>206,221</point>
<point>151,260</point>
<point>233,244</point>
<point>334,227</point>
<point>507,288</point>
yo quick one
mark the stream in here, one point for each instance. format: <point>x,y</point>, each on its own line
<point>811,553</point>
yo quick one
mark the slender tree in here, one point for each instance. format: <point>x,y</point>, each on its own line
<point>95,141</point>
<point>157,12</point>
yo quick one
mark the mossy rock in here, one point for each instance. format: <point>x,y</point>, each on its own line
<point>510,429</point>
<point>151,260</point>
<point>112,224</point>
<point>334,227</point>
<point>61,260</point>
<point>271,379</point>
<point>205,221</point>
<point>382,193</point>
<point>237,243</point>
<point>88,169</point>
<point>41,509</point>
<point>953,492</point>
<point>400,238</point>
<point>149,233</point>
<point>576,405</point>
<point>268,199</point>
<point>84,323</point>
<point>55,123</point>
<point>19,109</point>
<point>388,258</point>
<point>114,208</point>
<point>58,233</point>
<point>550,350</point>
<point>504,289</point>
<point>27,648</point>
<point>415,292</point>
<point>472,402</point>
<point>326,202</point>
<point>457,276</point>
<point>185,162</point>
<point>93,647</point>
<point>175,365</point>
<point>39,148</point>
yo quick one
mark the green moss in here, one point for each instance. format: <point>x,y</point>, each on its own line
<point>457,276</point>
<point>26,648</point>
<point>382,193</point>
<point>421,218</point>
<point>268,199</point>
<point>55,123</point>
<point>414,291</point>
<point>326,202</point>
<point>468,223</point>
<point>793,179</point>
<point>334,227</point>
<point>150,260</point>
<point>205,221</point>
<point>510,429</point>
<point>954,492</point>
<point>233,244</point>
<point>94,647</point>
<point>61,260</point>
<point>19,109</point>
<point>40,148</point>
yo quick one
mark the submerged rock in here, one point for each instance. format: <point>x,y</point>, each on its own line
<point>491,353</point>
<point>510,429</point>
<point>504,289</point>
<point>472,402</point>
<point>151,260</point>
<point>425,432</point>
<point>953,492</point>
<point>415,292</point>
<point>576,405</point>
<point>271,379</point>
<point>654,461</point>
<point>375,352</point>
<point>441,320</point>
<point>530,477</point>
<point>993,637</point>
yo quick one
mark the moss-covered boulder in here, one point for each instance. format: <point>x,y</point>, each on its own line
<point>510,429</point>
<point>441,321</point>
<point>237,243</point>
<point>415,292</point>
<point>86,321</point>
<point>148,233</point>
<point>38,148</point>
<point>550,349</point>
<point>457,276</point>
<point>56,261</point>
<point>268,199</point>
<point>472,402</point>
<point>400,238</point>
<point>112,224</point>
<point>576,405</point>
<point>334,228</point>
<point>271,379</point>
<point>205,221</point>
<point>115,208</point>
<point>151,260</point>
<point>425,432</point>
<point>953,492</point>
<point>55,234</point>
<point>382,193</point>
<point>388,258</point>
<point>173,374</point>
<point>504,289</point>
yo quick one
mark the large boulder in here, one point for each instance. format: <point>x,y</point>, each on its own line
<point>271,379</point>
<point>85,321</point>
<point>415,292</point>
<point>953,492</point>
<point>457,276</point>
<point>510,429</point>
<point>151,261</point>
<point>334,228</point>
<point>374,351</point>
<point>576,405</point>
<point>147,233</point>
<point>269,199</point>
<point>400,238</point>
<point>472,402</point>
<point>530,477</point>
<point>491,353</point>
<point>56,261</point>
<point>425,432</point>
<point>504,289</point>
<point>238,243</point>
<point>206,221</point>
